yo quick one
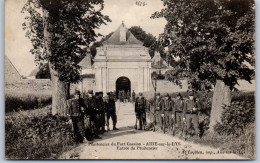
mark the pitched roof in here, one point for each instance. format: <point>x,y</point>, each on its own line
<point>86,61</point>
<point>114,39</point>
<point>158,62</point>
<point>10,71</point>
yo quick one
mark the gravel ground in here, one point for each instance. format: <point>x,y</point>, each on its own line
<point>128,143</point>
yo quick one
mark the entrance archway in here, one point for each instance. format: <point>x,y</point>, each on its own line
<point>123,83</point>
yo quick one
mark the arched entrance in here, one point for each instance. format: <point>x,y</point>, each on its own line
<point>123,83</point>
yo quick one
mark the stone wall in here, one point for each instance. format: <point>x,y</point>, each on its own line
<point>85,85</point>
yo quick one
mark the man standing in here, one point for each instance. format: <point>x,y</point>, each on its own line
<point>120,96</point>
<point>158,111</point>
<point>113,95</point>
<point>124,95</point>
<point>89,115</point>
<point>191,108</point>
<point>128,96</point>
<point>167,111</point>
<point>111,112</point>
<point>76,113</point>
<point>178,107</point>
<point>140,111</point>
<point>97,113</point>
<point>133,96</point>
<point>91,105</point>
<point>101,109</point>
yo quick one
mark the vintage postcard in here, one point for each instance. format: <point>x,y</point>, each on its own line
<point>130,79</point>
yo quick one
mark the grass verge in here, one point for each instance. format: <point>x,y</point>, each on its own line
<point>37,136</point>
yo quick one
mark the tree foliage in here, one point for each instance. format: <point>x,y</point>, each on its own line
<point>44,72</point>
<point>147,38</point>
<point>71,25</point>
<point>93,49</point>
<point>213,40</point>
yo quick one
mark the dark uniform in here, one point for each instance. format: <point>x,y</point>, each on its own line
<point>89,118</point>
<point>111,111</point>
<point>167,111</point>
<point>128,96</point>
<point>178,107</point>
<point>103,114</point>
<point>123,95</point>
<point>76,113</point>
<point>133,96</point>
<point>140,111</point>
<point>99,111</point>
<point>113,95</point>
<point>191,108</point>
<point>158,111</point>
<point>120,95</point>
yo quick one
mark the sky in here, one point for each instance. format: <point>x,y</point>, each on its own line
<point>17,46</point>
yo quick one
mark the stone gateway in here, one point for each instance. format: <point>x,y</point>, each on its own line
<point>122,63</point>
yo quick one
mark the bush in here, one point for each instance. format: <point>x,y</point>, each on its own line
<point>43,137</point>
<point>236,117</point>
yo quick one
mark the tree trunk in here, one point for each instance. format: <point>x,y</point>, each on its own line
<point>60,95</point>
<point>60,90</point>
<point>221,97</point>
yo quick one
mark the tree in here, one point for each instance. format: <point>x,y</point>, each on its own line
<point>60,32</point>
<point>44,72</point>
<point>214,41</point>
<point>93,49</point>
<point>147,38</point>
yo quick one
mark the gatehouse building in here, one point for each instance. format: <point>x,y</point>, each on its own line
<point>122,63</point>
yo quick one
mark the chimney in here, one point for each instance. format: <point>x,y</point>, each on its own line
<point>123,32</point>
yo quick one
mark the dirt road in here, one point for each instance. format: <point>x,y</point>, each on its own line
<point>128,143</point>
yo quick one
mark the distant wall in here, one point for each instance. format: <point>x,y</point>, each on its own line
<point>84,85</point>
<point>29,84</point>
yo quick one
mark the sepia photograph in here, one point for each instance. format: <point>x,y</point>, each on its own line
<point>129,80</point>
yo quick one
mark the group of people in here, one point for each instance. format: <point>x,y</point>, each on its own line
<point>125,96</point>
<point>177,114</point>
<point>90,114</point>
<point>170,113</point>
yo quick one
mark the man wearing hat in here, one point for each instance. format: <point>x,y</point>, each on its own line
<point>133,96</point>
<point>120,96</point>
<point>103,113</point>
<point>158,111</point>
<point>191,108</point>
<point>99,111</point>
<point>91,105</point>
<point>105,101</point>
<point>124,96</point>
<point>111,112</point>
<point>167,110</point>
<point>178,107</point>
<point>76,113</point>
<point>140,111</point>
<point>89,119</point>
<point>128,95</point>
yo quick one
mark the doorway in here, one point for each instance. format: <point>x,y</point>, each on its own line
<point>123,83</point>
